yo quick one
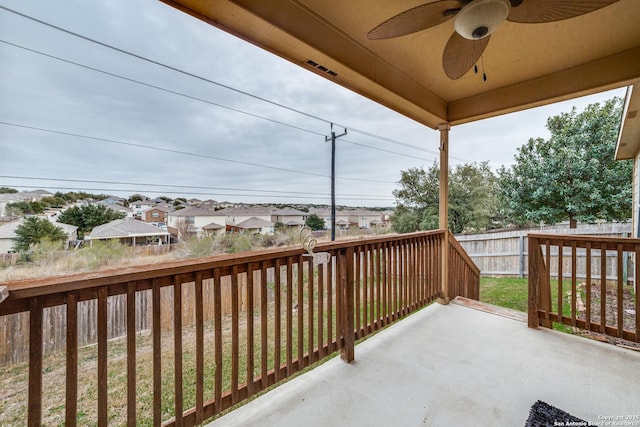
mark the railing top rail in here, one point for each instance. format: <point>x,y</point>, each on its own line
<point>629,244</point>
<point>26,288</point>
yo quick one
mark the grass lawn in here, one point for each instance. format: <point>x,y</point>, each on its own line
<point>505,292</point>
<point>513,293</point>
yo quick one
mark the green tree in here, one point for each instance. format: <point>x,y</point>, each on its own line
<point>7,190</point>
<point>53,202</point>
<point>573,175</point>
<point>34,230</point>
<point>89,216</point>
<point>25,208</point>
<point>314,222</point>
<point>473,204</point>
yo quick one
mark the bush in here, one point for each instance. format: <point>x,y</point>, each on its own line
<point>101,254</point>
<point>198,248</point>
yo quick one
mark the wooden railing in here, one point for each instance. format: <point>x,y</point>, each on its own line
<point>598,303</point>
<point>286,313</point>
<point>464,275</point>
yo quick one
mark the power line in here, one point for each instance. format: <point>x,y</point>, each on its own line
<point>186,153</point>
<point>139,184</point>
<point>198,193</point>
<point>207,80</point>
<point>195,98</point>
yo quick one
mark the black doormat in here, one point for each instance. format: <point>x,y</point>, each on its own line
<point>542,414</point>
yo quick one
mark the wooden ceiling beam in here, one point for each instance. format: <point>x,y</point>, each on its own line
<point>607,73</point>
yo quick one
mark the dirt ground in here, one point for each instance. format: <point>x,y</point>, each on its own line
<point>611,303</point>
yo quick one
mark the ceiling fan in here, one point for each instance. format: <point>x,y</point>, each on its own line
<point>475,21</point>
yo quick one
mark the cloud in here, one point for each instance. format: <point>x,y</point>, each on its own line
<point>42,92</point>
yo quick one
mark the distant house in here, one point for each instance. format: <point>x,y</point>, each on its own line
<point>234,217</point>
<point>112,200</point>
<point>157,214</point>
<point>23,196</point>
<point>138,207</point>
<point>191,220</point>
<point>213,229</point>
<point>363,218</point>
<point>290,217</point>
<point>8,233</point>
<point>129,231</point>
<point>342,218</point>
<point>253,226</point>
<point>120,209</point>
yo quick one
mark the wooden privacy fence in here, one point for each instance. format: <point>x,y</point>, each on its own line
<point>505,253</point>
<point>190,373</point>
<point>598,304</point>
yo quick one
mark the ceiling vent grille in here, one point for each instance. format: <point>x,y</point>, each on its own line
<point>322,68</point>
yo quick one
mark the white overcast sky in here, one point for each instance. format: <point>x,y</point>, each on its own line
<point>206,151</point>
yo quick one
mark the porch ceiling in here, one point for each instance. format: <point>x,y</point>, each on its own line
<point>527,65</point>
<point>454,365</point>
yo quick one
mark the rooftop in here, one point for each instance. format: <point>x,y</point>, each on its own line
<point>126,227</point>
<point>487,369</point>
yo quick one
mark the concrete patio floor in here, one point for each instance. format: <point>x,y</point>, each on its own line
<point>455,366</point>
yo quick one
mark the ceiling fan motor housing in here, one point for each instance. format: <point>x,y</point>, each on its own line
<point>480,18</point>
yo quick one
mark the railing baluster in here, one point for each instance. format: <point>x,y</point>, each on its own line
<point>177,349</point>
<point>35,362</point>
<point>340,307</point>
<point>217,330</point>
<point>383,250</point>
<point>330,287</point>
<point>637,289</point>
<point>373,255</point>
<point>347,299</point>
<point>300,316</point>
<point>620,302</point>
<point>277,321</point>
<point>199,348</point>
<point>250,330</point>
<point>365,289</point>
<point>588,285</point>
<point>131,354</point>
<point>264,316</point>
<point>289,315</point>
<point>403,282</point>
<point>603,287</point>
<point>321,313</point>
<point>310,292</point>
<point>547,285</point>
<point>560,273</point>
<point>235,335</point>
<point>102,356</point>
<point>573,283</point>
<point>358,288</point>
<point>534,282</point>
<point>378,286</point>
<point>157,351</point>
<point>71,401</point>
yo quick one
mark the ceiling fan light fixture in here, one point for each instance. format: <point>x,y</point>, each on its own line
<point>480,18</point>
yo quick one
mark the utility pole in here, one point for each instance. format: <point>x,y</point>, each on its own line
<point>333,178</point>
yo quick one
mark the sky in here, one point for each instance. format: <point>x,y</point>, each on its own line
<point>76,115</point>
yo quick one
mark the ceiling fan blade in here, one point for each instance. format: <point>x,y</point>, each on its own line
<point>461,54</point>
<point>538,11</point>
<point>417,19</point>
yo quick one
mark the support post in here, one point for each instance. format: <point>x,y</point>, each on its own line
<point>333,138</point>
<point>443,211</point>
